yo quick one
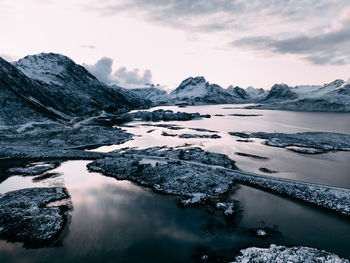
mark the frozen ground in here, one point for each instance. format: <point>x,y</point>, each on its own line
<point>202,176</point>
<point>314,142</point>
<point>281,254</point>
<point>25,216</point>
<point>33,168</point>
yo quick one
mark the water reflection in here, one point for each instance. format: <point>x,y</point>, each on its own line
<point>119,221</point>
<point>328,168</point>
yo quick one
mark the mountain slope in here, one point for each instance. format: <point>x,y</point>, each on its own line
<point>154,94</point>
<point>197,91</point>
<point>15,106</point>
<point>331,97</point>
<point>70,90</point>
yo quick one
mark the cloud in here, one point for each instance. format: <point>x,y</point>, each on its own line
<point>219,15</point>
<point>330,46</point>
<point>122,77</point>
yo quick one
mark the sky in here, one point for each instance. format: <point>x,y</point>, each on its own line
<point>230,42</point>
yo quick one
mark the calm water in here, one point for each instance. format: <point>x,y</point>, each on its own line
<point>329,168</point>
<point>118,221</point>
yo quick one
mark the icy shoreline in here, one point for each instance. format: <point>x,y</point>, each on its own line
<point>199,179</point>
<point>25,216</point>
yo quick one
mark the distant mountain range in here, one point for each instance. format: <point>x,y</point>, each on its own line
<point>334,97</point>
<point>50,86</point>
<point>197,91</point>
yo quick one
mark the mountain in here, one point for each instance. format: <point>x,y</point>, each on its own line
<point>279,92</point>
<point>197,91</point>
<point>256,94</point>
<point>238,92</point>
<point>17,104</point>
<point>156,95</point>
<point>70,90</point>
<point>331,97</point>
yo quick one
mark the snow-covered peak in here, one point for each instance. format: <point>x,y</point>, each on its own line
<point>255,93</point>
<point>191,87</point>
<point>50,68</point>
<point>237,92</point>
<point>192,82</point>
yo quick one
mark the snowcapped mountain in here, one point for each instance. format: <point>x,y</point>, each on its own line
<point>280,92</point>
<point>17,106</point>
<point>331,97</point>
<point>256,94</point>
<point>156,95</point>
<point>70,90</point>
<point>238,92</point>
<point>197,91</point>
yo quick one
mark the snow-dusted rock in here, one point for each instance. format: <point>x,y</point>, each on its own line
<point>196,183</point>
<point>323,141</point>
<point>26,218</point>
<point>33,168</point>
<point>194,173</point>
<point>67,137</point>
<point>194,154</point>
<point>166,115</point>
<point>282,254</point>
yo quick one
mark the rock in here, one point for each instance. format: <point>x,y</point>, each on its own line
<point>189,136</point>
<point>279,254</point>
<point>33,168</point>
<point>25,216</point>
<point>266,170</point>
<point>323,141</point>
<point>252,156</point>
<point>165,115</point>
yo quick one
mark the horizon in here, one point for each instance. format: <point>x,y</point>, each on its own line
<point>130,43</point>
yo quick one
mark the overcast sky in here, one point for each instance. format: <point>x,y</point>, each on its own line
<point>229,42</point>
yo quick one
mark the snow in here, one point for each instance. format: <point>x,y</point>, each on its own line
<point>33,169</point>
<point>199,177</point>
<point>27,218</point>
<point>43,67</point>
<point>311,142</point>
<point>282,254</point>
<point>261,233</point>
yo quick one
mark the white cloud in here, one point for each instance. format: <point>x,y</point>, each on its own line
<point>122,77</point>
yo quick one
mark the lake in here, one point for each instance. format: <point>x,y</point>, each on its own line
<point>119,221</point>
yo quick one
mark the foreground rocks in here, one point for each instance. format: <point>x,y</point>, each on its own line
<point>202,177</point>
<point>336,199</point>
<point>315,142</point>
<point>280,254</point>
<point>25,216</point>
<point>196,183</point>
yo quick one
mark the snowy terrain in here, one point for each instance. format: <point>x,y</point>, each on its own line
<point>280,254</point>
<point>25,216</point>
<point>331,97</point>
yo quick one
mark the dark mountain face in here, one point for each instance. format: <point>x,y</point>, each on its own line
<point>70,90</point>
<point>238,92</point>
<point>280,92</point>
<point>15,106</point>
